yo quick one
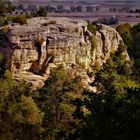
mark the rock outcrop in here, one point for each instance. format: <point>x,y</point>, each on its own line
<point>32,49</point>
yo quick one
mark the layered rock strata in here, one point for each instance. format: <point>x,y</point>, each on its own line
<point>34,48</point>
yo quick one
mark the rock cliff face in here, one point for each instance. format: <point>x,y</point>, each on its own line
<point>43,43</point>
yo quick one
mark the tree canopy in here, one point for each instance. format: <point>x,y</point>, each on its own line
<point>6,6</point>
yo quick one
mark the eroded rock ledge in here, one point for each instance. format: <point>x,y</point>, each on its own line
<point>43,43</point>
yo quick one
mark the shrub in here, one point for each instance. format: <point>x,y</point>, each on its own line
<point>125,31</point>
<point>93,42</point>
<point>20,19</point>
<point>92,28</point>
<point>41,12</point>
<point>3,32</point>
<point>122,47</point>
<point>5,29</point>
<point>108,21</point>
<point>3,21</point>
<point>97,66</point>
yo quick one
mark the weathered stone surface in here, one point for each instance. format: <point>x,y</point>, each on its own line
<point>34,48</point>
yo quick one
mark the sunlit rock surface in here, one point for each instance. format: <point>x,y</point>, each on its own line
<point>34,48</point>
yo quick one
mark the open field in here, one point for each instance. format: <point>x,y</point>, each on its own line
<point>92,16</point>
<point>124,12</point>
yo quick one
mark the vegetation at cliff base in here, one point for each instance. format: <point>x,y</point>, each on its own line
<point>63,109</point>
<point>130,36</point>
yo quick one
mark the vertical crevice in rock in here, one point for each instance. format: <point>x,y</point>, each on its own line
<point>116,36</point>
<point>104,43</point>
<point>47,43</point>
<point>35,68</point>
<point>47,60</point>
<point>45,65</point>
<point>38,48</point>
<point>86,33</point>
<point>86,36</point>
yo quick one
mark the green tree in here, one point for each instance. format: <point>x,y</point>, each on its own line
<point>91,28</point>
<point>125,32</point>
<point>20,118</point>
<point>136,46</point>
<point>6,6</point>
<point>41,12</point>
<point>20,19</point>
<point>2,68</point>
<point>111,118</point>
<point>108,21</point>
<point>55,100</point>
<point>114,111</point>
<point>136,29</point>
<point>93,42</point>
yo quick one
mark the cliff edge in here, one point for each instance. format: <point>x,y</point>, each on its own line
<point>34,48</point>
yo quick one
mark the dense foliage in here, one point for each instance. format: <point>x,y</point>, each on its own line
<point>115,110</point>
<point>41,12</point>
<point>6,15</point>
<point>108,21</point>
<point>5,6</point>
<point>63,110</point>
<point>20,19</point>
<point>131,37</point>
<point>91,28</point>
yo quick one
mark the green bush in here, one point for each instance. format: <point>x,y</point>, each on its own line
<point>108,21</point>
<point>97,66</point>
<point>125,31</point>
<point>3,21</point>
<point>20,19</point>
<point>122,47</point>
<point>6,6</point>
<point>5,29</point>
<point>41,12</point>
<point>93,42</point>
<point>92,28</point>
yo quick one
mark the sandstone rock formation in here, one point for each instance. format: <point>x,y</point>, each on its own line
<point>32,49</point>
